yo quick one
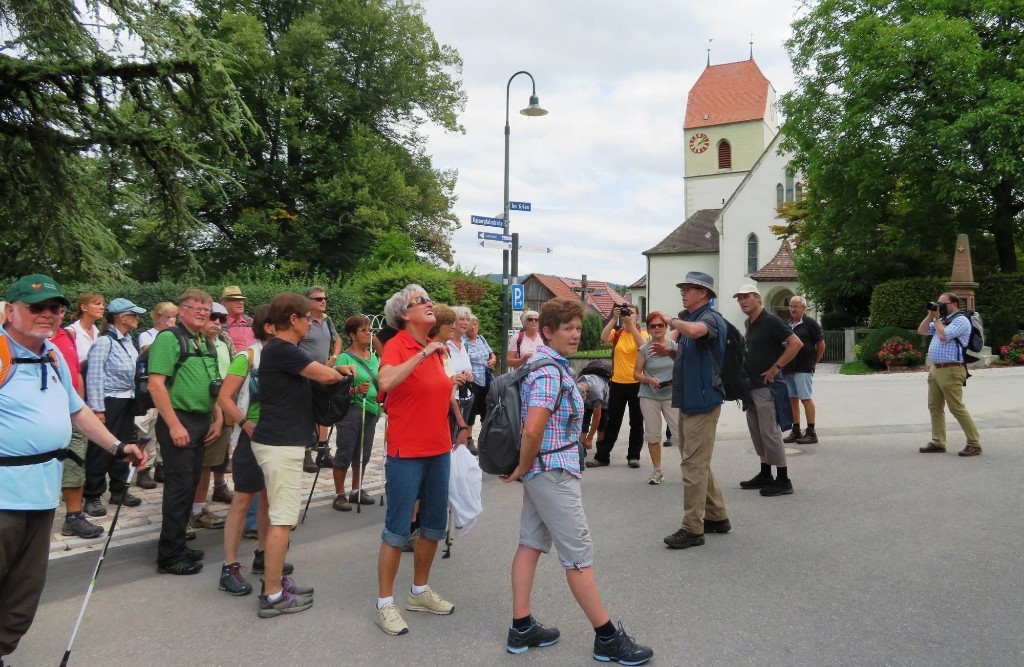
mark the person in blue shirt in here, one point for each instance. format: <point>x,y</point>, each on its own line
<point>38,406</point>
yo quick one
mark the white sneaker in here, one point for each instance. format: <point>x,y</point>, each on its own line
<point>430,601</point>
<point>390,621</point>
<point>657,477</point>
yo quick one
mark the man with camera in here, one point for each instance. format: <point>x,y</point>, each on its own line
<point>950,331</point>
<point>184,391</point>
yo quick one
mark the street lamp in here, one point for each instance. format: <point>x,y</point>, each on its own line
<point>534,109</point>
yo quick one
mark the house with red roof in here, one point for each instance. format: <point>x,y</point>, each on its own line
<point>602,297</point>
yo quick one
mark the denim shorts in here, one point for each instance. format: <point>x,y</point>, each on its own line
<point>423,478</point>
<point>799,385</point>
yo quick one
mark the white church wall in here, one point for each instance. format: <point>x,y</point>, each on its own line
<point>667,270</point>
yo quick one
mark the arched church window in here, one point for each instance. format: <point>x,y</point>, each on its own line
<point>799,191</point>
<point>751,254</point>
<point>789,186</point>
<point>779,195</point>
<point>724,155</point>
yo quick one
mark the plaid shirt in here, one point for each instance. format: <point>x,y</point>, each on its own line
<point>111,371</point>
<point>958,331</point>
<point>479,352</point>
<point>540,390</point>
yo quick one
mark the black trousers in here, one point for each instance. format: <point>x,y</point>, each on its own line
<point>24,554</point>
<point>479,403</point>
<point>619,397</point>
<point>119,418</point>
<point>182,466</point>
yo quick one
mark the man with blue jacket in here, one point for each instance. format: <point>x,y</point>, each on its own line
<point>697,394</point>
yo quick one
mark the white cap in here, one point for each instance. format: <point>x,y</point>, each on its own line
<point>749,288</point>
<point>218,308</point>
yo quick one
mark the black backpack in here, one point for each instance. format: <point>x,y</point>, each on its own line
<point>602,368</point>
<point>331,401</point>
<point>143,399</point>
<point>732,378</point>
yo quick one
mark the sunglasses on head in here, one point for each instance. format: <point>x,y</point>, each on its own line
<point>37,308</point>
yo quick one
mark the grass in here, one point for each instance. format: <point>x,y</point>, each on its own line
<point>856,368</point>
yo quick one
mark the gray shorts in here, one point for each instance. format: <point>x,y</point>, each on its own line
<point>553,512</point>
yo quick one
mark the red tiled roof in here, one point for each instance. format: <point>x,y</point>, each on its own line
<point>780,269</point>
<point>730,93</point>
<point>563,287</point>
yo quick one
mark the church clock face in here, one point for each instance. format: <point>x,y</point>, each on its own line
<point>699,142</point>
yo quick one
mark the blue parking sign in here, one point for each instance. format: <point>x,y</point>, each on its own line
<point>518,294</point>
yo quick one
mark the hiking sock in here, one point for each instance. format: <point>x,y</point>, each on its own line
<point>382,602</point>
<point>783,475</point>
<point>418,590</point>
<point>606,631</point>
<point>523,623</point>
<point>810,426</point>
<point>275,597</point>
<point>766,470</point>
<point>197,508</point>
<point>71,516</point>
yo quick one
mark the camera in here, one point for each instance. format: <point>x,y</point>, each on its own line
<point>215,386</point>
<point>942,308</point>
<point>933,306</point>
<point>625,310</point>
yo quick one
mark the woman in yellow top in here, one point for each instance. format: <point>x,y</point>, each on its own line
<point>624,389</point>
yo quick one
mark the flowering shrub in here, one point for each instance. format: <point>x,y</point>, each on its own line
<point>899,351</point>
<point>1014,352</point>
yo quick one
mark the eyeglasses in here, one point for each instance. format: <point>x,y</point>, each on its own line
<point>196,310</point>
<point>318,298</point>
<point>218,317</point>
<point>532,319</point>
<point>38,308</point>
<point>420,301</point>
<point>656,326</point>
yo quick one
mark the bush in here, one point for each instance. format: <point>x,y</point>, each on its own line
<point>1013,353</point>
<point>1000,300</point>
<point>872,345</point>
<point>591,336</point>
<point>901,303</point>
<point>898,351</point>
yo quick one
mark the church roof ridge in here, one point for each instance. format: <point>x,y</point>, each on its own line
<point>727,93</point>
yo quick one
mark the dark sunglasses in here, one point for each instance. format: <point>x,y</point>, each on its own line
<point>218,317</point>
<point>532,319</point>
<point>37,308</point>
<point>656,325</point>
<point>318,298</point>
<point>420,301</point>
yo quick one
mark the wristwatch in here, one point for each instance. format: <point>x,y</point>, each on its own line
<point>778,366</point>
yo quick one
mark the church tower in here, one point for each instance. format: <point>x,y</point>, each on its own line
<point>731,117</point>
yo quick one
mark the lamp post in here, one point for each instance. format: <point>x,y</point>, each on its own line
<point>534,109</point>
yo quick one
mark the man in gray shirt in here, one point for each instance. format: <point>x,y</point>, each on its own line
<point>323,344</point>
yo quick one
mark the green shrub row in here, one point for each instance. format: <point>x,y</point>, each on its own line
<point>901,303</point>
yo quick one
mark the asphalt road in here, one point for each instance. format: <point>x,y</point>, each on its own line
<point>883,556</point>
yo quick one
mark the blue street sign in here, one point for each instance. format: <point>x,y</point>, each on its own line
<point>491,236</point>
<point>485,221</point>
<point>519,206</point>
<point>518,293</point>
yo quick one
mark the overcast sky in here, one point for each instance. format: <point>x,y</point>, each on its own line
<point>604,168</point>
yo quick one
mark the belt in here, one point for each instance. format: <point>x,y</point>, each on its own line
<point>33,459</point>
<point>947,364</point>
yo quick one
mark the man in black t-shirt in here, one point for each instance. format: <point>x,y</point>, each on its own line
<point>770,346</point>
<point>799,373</point>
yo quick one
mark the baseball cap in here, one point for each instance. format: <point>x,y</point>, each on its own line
<point>120,305</point>
<point>36,288</point>
<point>749,288</point>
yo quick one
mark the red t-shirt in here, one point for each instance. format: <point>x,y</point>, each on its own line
<point>418,407</point>
<point>70,353</point>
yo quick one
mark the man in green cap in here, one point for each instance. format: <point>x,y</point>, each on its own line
<point>38,405</point>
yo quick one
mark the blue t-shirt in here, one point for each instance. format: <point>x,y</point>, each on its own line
<point>34,421</point>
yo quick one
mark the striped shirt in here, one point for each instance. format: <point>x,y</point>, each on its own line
<point>111,370</point>
<point>479,352</point>
<point>958,331</point>
<point>540,389</point>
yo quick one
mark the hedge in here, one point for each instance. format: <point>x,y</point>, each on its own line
<point>873,343</point>
<point>1000,300</point>
<point>901,303</point>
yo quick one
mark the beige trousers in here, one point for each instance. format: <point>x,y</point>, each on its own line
<point>946,388</point>
<point>701,496</point>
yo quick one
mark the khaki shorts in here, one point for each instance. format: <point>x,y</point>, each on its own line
<point>553,512</point>
<point>282,470</point>
<point>217,450</point>
<point>74,474</point>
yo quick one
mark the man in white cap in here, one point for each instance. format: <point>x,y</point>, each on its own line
<point>771,344</point>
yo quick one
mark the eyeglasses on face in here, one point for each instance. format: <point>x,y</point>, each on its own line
<point>218,317</point>
<point>318,298</point>
<point>420,301</point>
<point>38,308</point>
<point>656,325</point>
<point>532,319</point>
<point>197,310</point>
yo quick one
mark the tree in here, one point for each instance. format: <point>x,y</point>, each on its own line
<point>906,121</point>
<point>98,113</point>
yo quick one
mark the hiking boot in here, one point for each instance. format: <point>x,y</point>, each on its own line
<point>194,555</point>
<point>970,450</point>
<point>158,473</point>
<point>596,463</point>
<point>780,487</point>
<point>410,544</point>
<point>258,564</point>
<point>206,519</point>
<point>793,436</point>
<point>667,443</point>
<point>189,534</point>
<point>535,636</point>
<point>430,601</point>
<point>390,621</point>
<point>621,648</point>
<point>758,481</point>
<point>364,499</point>
<point>289,603</point>
<point>183,566</point>
<point>633,463</point>
<point>288,584</point>
<point>232,581</point>
<point>810,438</point>
<point>94,507</point>
<point>721,527</point>
<point>932,448</point>
<point>323,456</point>
<point>129,499</point>
<point>145,480</point>
<point>307,461</point>
<point>684,539</point>
<point>341,504</point>
<point>78,526</point>
<point>657,477</point>
<point>222,494</point>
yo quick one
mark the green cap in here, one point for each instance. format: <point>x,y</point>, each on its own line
<point>35,289</point>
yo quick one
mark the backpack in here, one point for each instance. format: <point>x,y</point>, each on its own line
<point>331,401</point>
<point>602,368</point>
<point>519,344</point>
<point>7,361</point>
<point>731,379</point>
<point>502,430</point>
<point>976,341</point>
<point>143,399</point>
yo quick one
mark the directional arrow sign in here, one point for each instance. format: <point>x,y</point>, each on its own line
<point>485,221</point>
<point>519,206</point>
<point>544,250</point>
<point>491,236</point>
<point>494,244</point>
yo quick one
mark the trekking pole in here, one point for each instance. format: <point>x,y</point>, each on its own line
<point>319,460</point>
<point>99,564</point>
<point>358,463</point>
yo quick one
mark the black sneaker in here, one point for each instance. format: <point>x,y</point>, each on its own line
<point>158,473</point>
<point>758,481</point>
<point>621,648</point>
<point>722,527</point>
<point>794,435</point>
<point>258,567</point>
<point>288,604</point>
<point>189,534</point>
<point>683,539</point>
<point>536,635</point>
<point>232,581</point>
<point>129,499</point>
<point>94,507</point>
<point>183,566</point>
<point>780,487</point>
<point>194,555</point>
<point>78,526</point>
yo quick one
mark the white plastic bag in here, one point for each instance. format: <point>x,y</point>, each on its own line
<point>464,483</point>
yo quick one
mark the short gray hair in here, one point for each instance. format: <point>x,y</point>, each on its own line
<point>802,301</point>
<point>313,290</point>
<point>463,312</point>
<point>398,304</point>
